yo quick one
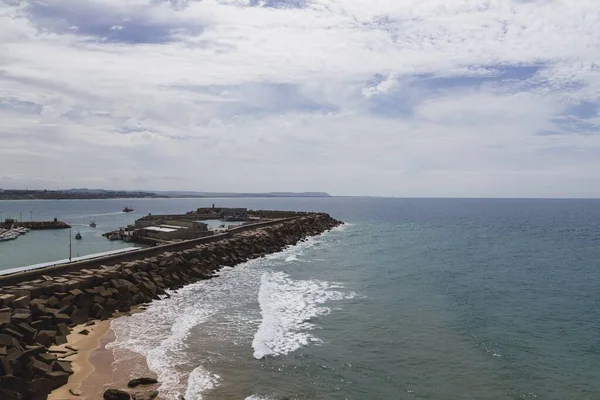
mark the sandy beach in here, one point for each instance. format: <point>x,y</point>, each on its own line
<point>95,368</point>
<point>80,362</point>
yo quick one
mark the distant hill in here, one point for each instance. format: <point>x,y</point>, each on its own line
<point>84,193</point>
<point>235,195</point>
<point>8,194</point>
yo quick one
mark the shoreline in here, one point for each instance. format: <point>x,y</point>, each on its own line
<point>90,298</point>
<point>95,368</point>
<point>154,196</point>
<point>80,362</point>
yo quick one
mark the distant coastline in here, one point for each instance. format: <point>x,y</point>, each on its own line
<point>72,195</point>
<point>89,194</point>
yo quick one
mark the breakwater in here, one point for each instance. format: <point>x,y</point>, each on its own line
<point>36,225</point>
<point>41,307</point>
<point>215,213</point>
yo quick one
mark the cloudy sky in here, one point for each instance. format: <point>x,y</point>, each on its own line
<point>490,98</point>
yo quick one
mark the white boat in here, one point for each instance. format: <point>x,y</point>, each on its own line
<point>10,235</point>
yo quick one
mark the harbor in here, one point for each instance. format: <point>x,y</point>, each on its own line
<point>161,229</point>
<point>65,261</point>
<point>11,229</point>
<point>152,230</point>
<point>148,231</point>
<point>110,225</point>
<point>50,233</point>
<point>42,306</point>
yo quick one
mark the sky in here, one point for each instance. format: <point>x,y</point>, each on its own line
<point>408,98</point>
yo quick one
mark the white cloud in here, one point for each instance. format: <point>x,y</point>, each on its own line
<point>383,97</point>
<point>383,87</point>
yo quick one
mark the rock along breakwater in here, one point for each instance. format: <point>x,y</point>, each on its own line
<point>36,225</point>
<point>40,312</point>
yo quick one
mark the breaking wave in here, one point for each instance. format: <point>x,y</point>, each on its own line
<point>287,306</point>
<point>248,304</point>
<point>159,333</point>
<point>199,381</point>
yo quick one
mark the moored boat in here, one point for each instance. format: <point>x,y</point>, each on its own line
<point>11,234</point>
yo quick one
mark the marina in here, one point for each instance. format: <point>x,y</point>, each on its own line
<point>12,234</point>
<point>50,238</point>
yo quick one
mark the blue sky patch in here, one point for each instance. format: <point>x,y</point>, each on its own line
<point>103,23</point>
<point>20,106</point>
<point>279,3</point>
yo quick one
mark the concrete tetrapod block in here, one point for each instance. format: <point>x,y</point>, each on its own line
<point>21,302</point>
<point>58,378</point>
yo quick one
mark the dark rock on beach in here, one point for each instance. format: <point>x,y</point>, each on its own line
<point>116,394</point>
<point>141,381</point>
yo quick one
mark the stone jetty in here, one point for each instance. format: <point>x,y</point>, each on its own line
<point>40,312</point>
<point>35,225</point>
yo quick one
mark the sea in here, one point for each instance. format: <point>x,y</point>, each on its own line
<point>410,299</point>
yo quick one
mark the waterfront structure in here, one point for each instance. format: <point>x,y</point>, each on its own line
<point>167,230</point>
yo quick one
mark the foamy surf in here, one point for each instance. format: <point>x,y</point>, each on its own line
<point>286,307</point>
<point>161,339</point>
<point>229,310</point>
<point>199,381</point>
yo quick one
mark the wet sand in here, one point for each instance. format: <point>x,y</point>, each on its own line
<point>96,368</point>
<point>82,368</point>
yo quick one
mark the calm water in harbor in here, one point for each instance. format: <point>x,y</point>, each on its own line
<point>45,246</point>
<point>412,299</point>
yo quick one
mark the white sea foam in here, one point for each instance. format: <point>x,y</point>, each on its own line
<point>342,227</point>
<point>162,333</point>
<point>287,306</point>
<point>199,381</point>
<point>160,339</point>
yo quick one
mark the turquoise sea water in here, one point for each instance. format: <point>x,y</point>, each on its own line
<point>412,299</point>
